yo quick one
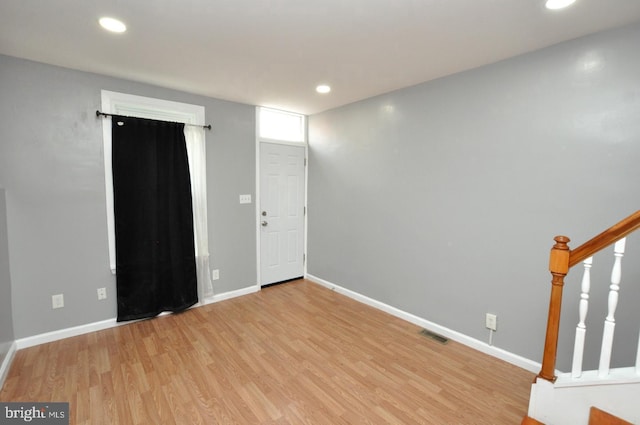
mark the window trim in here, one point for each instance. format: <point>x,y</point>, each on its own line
<point>303,129</point>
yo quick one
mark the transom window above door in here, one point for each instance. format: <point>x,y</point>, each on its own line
<point>274,124</point>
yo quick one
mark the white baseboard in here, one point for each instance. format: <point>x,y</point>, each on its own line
<point>491,350</point>
<point>6,363</point>
<point>111,323</point>
<point>232,294</point>
<point>32,341</point>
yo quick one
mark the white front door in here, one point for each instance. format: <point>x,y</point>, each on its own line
<point>282,190</point>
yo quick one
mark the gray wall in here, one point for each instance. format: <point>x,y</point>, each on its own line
<point>51,163</point>
<point>6,318</point>
<point>442,199</point>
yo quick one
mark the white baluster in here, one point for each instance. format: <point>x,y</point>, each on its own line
<point>610,321</point>
<point>638,357</point>
<point>581,329</point>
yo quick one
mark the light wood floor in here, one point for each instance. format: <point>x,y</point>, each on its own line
<point>296,353</point>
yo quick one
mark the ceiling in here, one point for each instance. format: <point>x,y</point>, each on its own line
<point>274,52</point>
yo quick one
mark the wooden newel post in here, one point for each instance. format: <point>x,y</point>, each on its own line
<point>559,267</point>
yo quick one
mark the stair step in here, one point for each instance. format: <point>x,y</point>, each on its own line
<point>600,417</point>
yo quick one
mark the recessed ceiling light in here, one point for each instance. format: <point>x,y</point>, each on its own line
<point>113,25</point>
<point>559,4</point>
<point>323,88</point>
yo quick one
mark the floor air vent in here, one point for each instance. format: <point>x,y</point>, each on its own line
<point>434,336</point>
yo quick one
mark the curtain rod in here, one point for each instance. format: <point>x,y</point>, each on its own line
<point>104,114</point>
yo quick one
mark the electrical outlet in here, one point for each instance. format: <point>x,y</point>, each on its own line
<point>57,301</point>
<point>102,293</point>
<point>491,322</point>
<point>215,274</point>
<point>245,199</point>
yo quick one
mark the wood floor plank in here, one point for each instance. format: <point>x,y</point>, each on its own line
<point>295,353</point>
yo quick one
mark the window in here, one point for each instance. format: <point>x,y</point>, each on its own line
<point>280,125</point>
<point>141,107</point>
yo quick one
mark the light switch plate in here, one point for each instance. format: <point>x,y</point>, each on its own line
<point>245,199</point>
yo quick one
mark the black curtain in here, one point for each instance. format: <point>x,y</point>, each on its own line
<point>155,254</point>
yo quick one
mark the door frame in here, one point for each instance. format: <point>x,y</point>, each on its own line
<point>259,141</point>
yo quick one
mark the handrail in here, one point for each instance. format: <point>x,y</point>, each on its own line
<point>604,239</point>
<point>560,261</point>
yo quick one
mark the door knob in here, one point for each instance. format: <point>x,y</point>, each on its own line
<point>264,223</point>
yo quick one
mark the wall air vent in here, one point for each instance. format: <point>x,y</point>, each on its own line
<point>434,336</point>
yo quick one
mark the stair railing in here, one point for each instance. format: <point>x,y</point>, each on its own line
<point>561,259</point>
